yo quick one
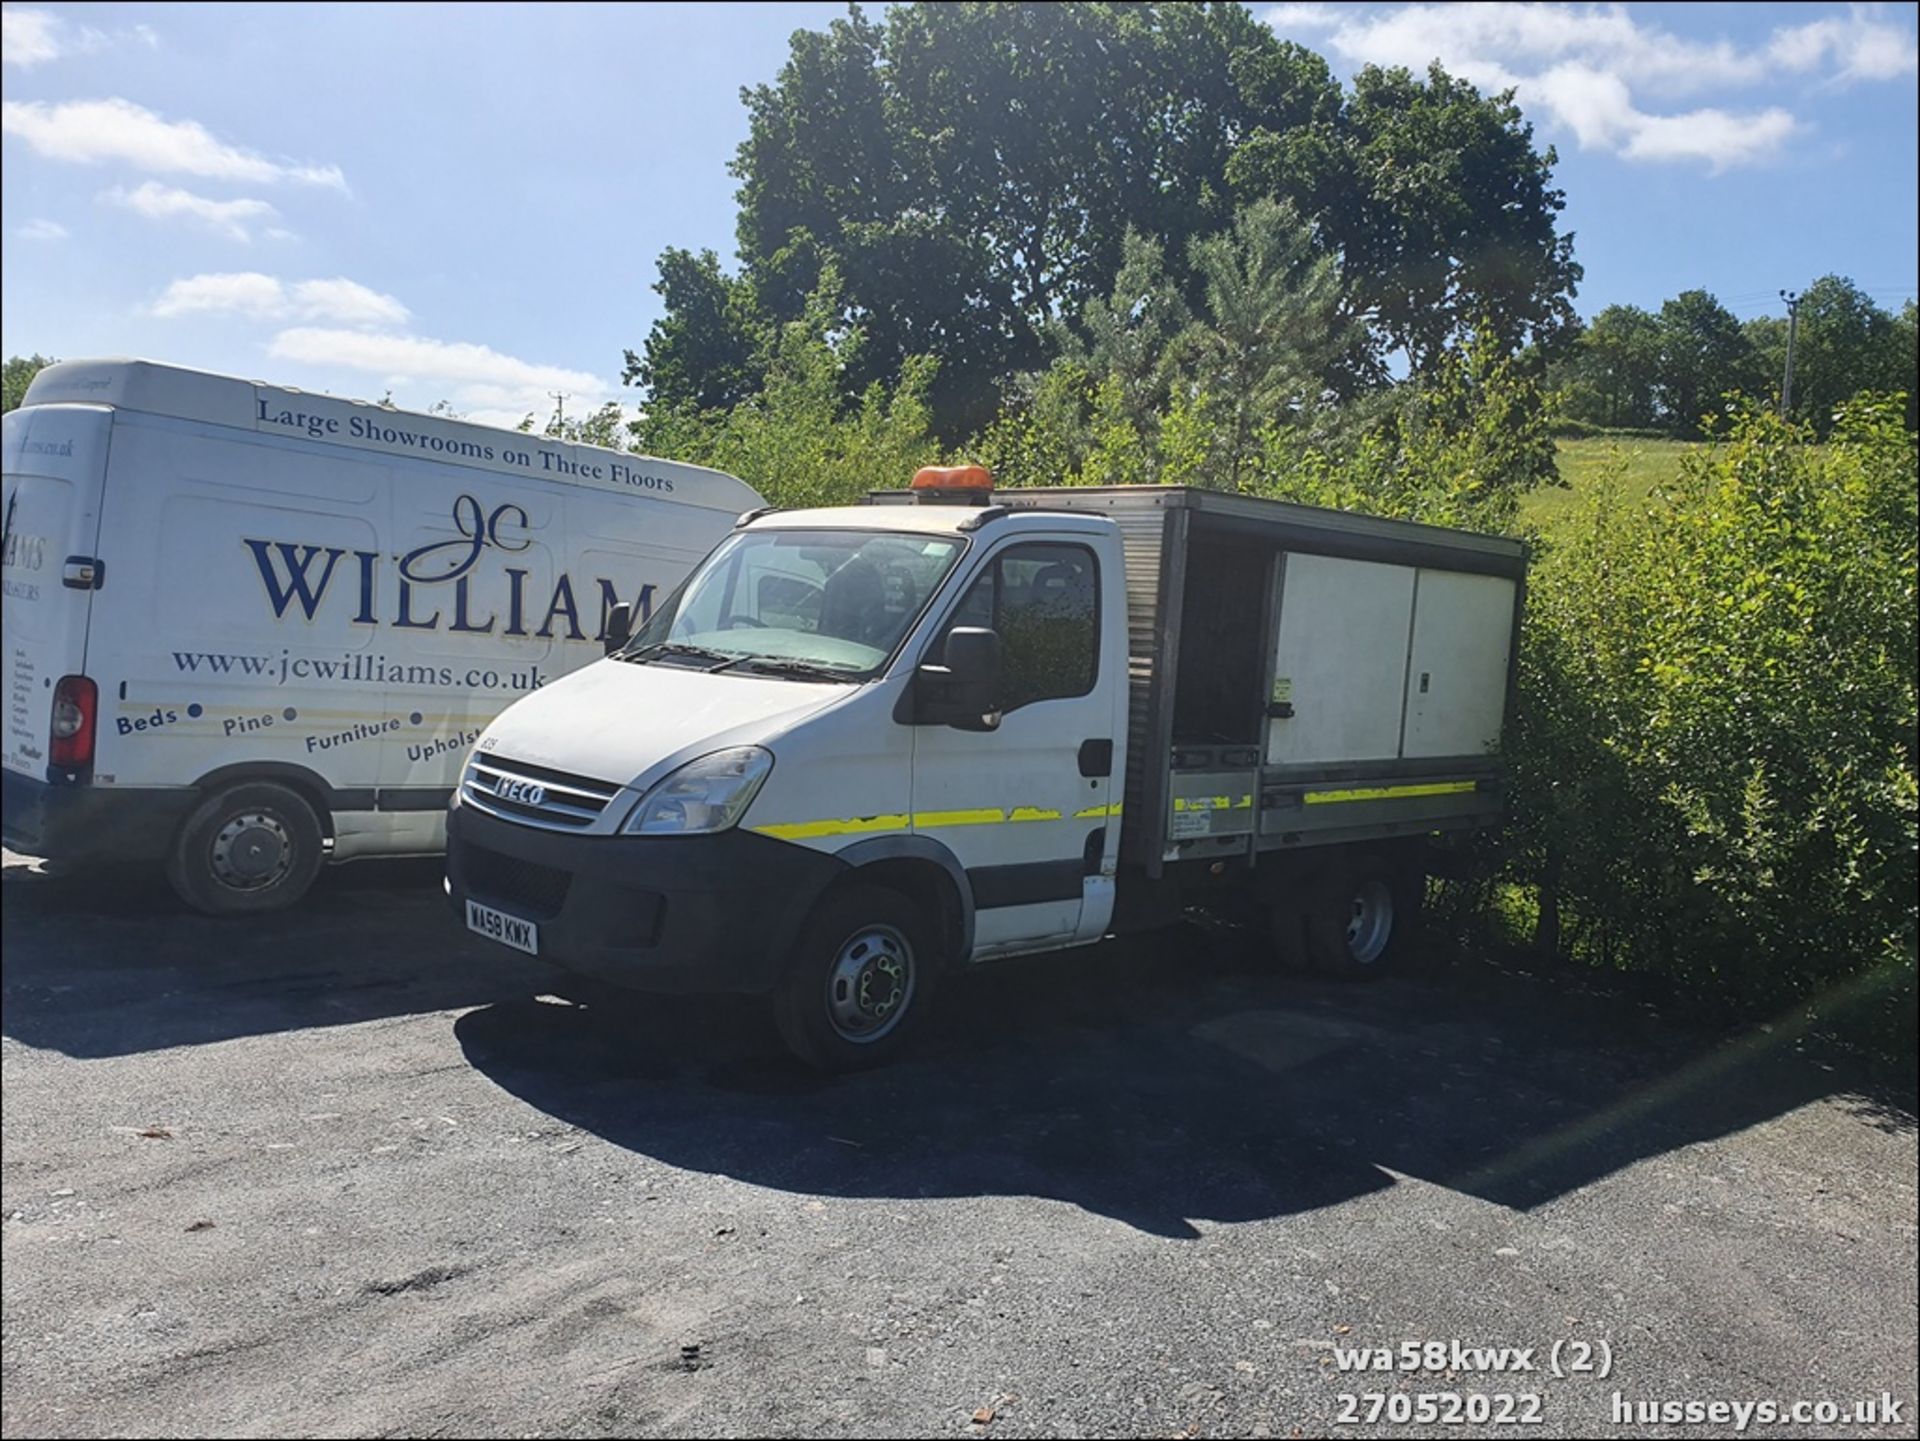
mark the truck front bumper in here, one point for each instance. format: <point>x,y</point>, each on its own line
<point>652,913</point>
<point>88,822</point>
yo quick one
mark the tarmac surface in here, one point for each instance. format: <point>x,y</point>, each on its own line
<point>351,1171</point>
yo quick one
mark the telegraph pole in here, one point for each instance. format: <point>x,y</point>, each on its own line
<point>1793,329</point>
<point>560,396</point>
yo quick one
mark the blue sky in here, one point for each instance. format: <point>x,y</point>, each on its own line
<point>465,203</point>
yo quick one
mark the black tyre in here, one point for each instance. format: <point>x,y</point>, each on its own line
<point>249,849</point>
<point>860,982</point>
<point>1362,914</point>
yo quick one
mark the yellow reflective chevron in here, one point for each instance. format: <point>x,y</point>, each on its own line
<point>1094,813</point>
<point>1388,793</point>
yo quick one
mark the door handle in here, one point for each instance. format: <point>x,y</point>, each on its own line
<point>1096,758</point>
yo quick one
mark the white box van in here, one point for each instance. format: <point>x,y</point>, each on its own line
<point>248,628</point>
<point>889,740</point>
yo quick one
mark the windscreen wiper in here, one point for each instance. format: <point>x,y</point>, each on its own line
<point>798,669</point>
<point>675,648</point>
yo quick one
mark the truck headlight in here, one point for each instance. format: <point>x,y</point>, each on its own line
<point>704,795</point>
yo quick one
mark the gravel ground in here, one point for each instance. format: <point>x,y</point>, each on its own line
<point>348,1172</point>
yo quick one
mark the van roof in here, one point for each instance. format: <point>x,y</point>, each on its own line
<point>153,388</point>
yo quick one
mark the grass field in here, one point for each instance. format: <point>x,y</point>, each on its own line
<point>1647,462</point>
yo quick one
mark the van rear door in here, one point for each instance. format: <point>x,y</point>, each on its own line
<point>53,461</point>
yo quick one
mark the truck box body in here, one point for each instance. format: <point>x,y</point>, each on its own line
<point>249,583</point>
<point>1301,676</point>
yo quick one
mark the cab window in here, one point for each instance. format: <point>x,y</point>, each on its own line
<point>1043,599</point>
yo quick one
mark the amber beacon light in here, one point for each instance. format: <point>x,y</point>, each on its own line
<point>952,484</point>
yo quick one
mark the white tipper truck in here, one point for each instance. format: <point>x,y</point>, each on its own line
<point>249,629</point>
<point>865,746</point>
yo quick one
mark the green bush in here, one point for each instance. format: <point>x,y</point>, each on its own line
<point>1714,756</point>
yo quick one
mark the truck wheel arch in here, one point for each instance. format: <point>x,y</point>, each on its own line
<point>927,872</point>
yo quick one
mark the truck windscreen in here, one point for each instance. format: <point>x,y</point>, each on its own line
<point>832,602</point>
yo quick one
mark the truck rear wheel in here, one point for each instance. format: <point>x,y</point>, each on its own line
<point>860,981</point>
<point>1361,915</point>
<point>245,850</point>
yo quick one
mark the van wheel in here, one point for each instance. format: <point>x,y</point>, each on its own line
<point>1361,915</point>
<point>860,981</point>
<point>245,850</point>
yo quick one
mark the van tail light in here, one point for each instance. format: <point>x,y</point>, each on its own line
<point>76,701</point>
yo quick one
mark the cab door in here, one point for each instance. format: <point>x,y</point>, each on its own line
<point>1023,806</point>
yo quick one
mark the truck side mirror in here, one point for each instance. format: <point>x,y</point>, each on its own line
<point>960,692</point>
<point>619,627</point>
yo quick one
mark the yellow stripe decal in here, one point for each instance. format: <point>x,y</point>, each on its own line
<point>958,818</point>
<point>922,820</point>
<point>1388,793</point>
<point>809,830</point>
<point>1212,803</point>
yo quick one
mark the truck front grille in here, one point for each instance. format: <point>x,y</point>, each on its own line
<point>534,795</point>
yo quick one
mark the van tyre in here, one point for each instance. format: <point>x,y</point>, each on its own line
<point>1362,915</point>
<point>246,850</point>
<point>860,981</point>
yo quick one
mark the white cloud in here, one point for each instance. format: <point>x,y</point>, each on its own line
<point>346,302</point>
<point>1863,47</point>
<point>232,218</point>
<point>1720,139</point>
<point>1580,68</point>
<point>87,132</point>
<point>27,37</point>
<point>33,37</point>
<point>42,230</point>
<point>265,297</point>
<point>496,388</point>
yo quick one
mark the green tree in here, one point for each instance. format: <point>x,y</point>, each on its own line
<point>1904,367</point>
<point>18,375</point>
<point>707,350</point>
<point>1256,354</point>
<point>1271,335</point>
<point>1767,335</point>
<point>1703,356</point>
<point>1846,344</point>
<point>1443,213</point>
<point>801,441</point>
<point>971,171</point>
<point>1611,373</point>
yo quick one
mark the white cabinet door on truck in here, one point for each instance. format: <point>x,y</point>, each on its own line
<point>1012,802</point>
<point>56,457</point>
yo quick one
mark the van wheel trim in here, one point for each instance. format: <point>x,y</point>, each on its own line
<point>252,851</point>
<point>870,984</point>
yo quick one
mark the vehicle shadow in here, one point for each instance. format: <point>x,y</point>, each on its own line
<point>1161,1080</point>
<point>108,963</point>
<point>1158,1081</point>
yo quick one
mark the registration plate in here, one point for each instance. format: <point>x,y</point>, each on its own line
<point>501,927</point>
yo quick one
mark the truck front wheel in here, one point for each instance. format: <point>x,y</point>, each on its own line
<point>860,982</point>
<point>1362,914</point>
<point>251,848</point>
